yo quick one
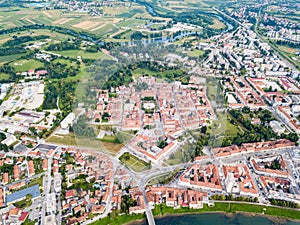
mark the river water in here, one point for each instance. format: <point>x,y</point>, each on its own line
<point>219,219</point>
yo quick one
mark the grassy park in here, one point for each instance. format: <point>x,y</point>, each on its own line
<point>134,163</point>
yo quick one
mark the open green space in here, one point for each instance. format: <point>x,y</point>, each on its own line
<point>3,76</point>
<point>118,220</point>
<point>131,22</point>
<point>141,72</point>
<point>83,54</point>
<point>176,157</point>
<point>24,65</point>
<point>80,182</point>
<point>195,52</point>
<point>9,58</point>
<point>164,178</point>
<point>110,138</point>
<point>23,204</point>
<point>230,207</point>
<point>163,210</point>
<point>217,24</point>
<point>134,163</point>
<point>71,140</point>
<point>223,126</point>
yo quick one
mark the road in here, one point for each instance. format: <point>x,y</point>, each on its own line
<point>47,186</point>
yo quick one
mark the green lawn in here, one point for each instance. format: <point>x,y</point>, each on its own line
<point>134,163</point>
<point>221,128</point>
<point>195,53</point>
<point>131,23</point>
<point>24,203</point>
<point>110,138</point>
<point>139,72</point>
<point>4,76</point>
<point>177,159</point>
<point>161,210</point>
<point>83,54</point>
<point>118,220</point>
<point>164,178</point>
<point>25,65</point>
<point>112,148</point>
<point>9,58</point>
<point>231,208</point>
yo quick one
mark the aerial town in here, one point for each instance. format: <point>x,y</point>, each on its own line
<point>215,121</point>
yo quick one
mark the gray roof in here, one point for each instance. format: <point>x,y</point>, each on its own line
<point>34,191</point>
<point>46,146</point>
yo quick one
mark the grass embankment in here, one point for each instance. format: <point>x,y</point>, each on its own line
<point>163,210</point>
<point>164,178</point>
<point>228,207</point>
<point>71,140</point>
<point>119,220</point>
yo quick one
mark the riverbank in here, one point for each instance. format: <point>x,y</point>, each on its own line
<point>228,208</point>
<point>221,218</point>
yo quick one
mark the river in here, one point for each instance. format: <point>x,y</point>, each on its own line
<point>219,219</point>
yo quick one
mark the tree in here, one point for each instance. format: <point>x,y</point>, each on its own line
<point>203,129</point>
<point>33,130</point>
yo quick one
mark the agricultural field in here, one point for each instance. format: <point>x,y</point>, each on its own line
<point>98,25</point>
<point>83,54</point>
<point>217,24</point>
<point>9,58</point>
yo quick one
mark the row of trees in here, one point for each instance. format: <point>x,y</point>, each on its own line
<point>284,203</point>
<point>4,147</point>
<point>22,39</point>
<point>51,95</point>
<point>64,46</point>
<point>230,197</point>
<point>4,51</point>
